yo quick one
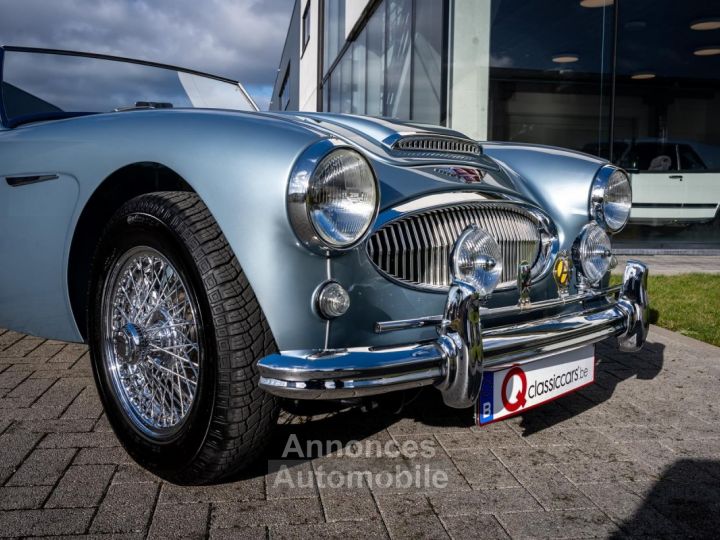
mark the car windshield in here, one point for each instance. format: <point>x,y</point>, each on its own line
<point>43,85</point>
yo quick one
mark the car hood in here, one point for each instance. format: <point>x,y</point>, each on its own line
<point>407,174</point>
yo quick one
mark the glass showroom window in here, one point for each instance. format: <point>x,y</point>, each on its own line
<point>333,31</point>
<point>667,119</point>
<point>550,66</point>
<point>395,67</point>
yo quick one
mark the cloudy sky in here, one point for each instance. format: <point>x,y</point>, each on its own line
<point>240,39</point>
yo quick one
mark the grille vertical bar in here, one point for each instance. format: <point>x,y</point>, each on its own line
<point>416,249</point>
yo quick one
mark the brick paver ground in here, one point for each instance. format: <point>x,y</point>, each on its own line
<point>636,454</point>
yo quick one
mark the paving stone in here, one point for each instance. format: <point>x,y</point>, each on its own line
<point>61,394</point>
<point>86,405</point>
<point>88,439</point>
<point>131,473</point>
<point>8,338</point>
<point>563,524</point>
<point>174,521</point>
<point>30,390</point>
<point>11,379</point>
<point>23,497</point>
<point>274,512</point>
<point>44,522</point>
<point>15,445</point>
<point>247,490</point>
<point>82,486</point>
<point>98,456</point>
<point>22,347</point>
<point>484,501</point>
<point>43,467</point>
<point>478,526</point>
<point>628,510</point>
<point>410,516</point>
<point>126,508</point>
<point>57,425</point>
<point>259,532</point>
<point>351,531</point>
<point>358,506</point>
<point>635,455</point>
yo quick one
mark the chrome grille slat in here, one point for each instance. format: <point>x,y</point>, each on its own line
<point>416,249</point>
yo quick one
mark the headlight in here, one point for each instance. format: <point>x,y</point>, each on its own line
<point>591,253</point>
<point>611,199</point>
<point>477,260</point>
<point>332,197</point>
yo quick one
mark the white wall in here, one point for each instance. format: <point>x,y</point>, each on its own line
<point>353,10</point>
<point>469,78</point>
<point>307,74</point>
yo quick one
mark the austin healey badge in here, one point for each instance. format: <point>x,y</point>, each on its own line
<point>561,273</point>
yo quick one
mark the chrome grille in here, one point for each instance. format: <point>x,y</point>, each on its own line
<point>450,145</point>
<point>416,249</point>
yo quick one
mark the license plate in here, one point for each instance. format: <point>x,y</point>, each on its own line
<point>519,388</point>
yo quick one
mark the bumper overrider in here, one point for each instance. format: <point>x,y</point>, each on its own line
<point>464,350</point>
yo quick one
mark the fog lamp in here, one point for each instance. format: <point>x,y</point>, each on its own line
<point>592,253</point>
<point>476,260</point>
<point>332,300</point>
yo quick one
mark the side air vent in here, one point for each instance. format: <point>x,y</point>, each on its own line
<point>429,143</point>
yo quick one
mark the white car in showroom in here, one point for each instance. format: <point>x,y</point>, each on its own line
<point>674,182</point>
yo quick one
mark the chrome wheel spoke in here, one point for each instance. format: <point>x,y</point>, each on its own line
<point>152,340</point>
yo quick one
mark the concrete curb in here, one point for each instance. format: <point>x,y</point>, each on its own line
<point>681,339</point>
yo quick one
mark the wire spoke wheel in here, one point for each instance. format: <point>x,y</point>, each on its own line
<point>152,349</point>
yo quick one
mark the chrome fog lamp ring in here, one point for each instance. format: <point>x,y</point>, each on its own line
<point>592,253</point>
<point>332,197</point>
<point>611,199</point>
<point>476,260</point>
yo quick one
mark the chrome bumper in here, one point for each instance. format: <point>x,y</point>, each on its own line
<point>456,360</point>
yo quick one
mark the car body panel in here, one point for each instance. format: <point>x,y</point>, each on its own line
<point>239,164</point>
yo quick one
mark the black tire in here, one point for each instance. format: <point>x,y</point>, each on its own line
<point>230,419</point>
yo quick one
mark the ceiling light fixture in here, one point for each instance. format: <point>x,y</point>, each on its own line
<point>705,24</point>
<point>642,76</point>
<point>707,51</point>
<point>565,58</point>
<point>596,3</point>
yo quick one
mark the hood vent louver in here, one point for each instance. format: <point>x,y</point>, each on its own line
<point>437,144</point>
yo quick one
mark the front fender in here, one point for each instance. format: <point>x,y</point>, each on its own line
<point>557,180</point>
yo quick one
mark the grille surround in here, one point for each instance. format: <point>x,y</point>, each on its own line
<point>414,249</point>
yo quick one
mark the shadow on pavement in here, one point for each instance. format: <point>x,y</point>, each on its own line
<point>613,368</point>
<point>692,508</point>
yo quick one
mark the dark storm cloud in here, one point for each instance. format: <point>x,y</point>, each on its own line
<point>240,39</point>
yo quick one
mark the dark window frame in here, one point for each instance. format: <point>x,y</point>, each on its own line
<point>305,27</point>
<point>282,93</point>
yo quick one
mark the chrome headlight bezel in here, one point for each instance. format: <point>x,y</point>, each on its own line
<point>598,199</point>
<point>580,254</point>
<point>299,205</point>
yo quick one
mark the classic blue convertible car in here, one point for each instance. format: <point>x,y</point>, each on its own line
<point>219,260</point>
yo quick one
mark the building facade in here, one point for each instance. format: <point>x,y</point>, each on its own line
<point>634,81</point>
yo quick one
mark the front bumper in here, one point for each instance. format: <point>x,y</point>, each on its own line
<point>456,361</point>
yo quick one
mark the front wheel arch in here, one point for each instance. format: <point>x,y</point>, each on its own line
<point>119,187</point>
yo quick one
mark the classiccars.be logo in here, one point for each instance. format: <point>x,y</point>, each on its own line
<point>539,387</point>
